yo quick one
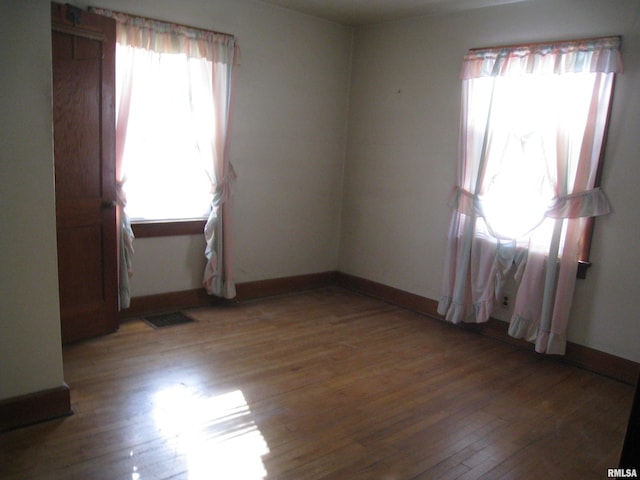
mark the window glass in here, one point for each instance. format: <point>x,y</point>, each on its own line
<point>167,164</point>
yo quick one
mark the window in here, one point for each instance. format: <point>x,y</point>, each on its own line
<point>167,158</point>
<point>532,132</point>
<point>171,122</point>
<point>530,116</point>
<point>173,111</point>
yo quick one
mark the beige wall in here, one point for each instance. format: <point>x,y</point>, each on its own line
<point>402,144</point>
<point>30,352</point>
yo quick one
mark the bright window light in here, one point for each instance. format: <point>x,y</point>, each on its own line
<point>530,115</point>
<point>167,159</point>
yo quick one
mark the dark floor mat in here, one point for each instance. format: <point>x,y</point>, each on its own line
<point>168,319</point>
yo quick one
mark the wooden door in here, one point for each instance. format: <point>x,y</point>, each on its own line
<point>83,47</point>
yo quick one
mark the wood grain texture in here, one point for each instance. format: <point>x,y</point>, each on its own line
<point>83,81</point>
<point>245,291</point>
<point>578,355</point>
<point>600,362</point>
<point>168,229</point>
<point>284,285</point>
<point>325,384</point>
<point>34,407</point>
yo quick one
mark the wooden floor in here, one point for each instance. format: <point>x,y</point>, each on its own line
<point>320,385</point>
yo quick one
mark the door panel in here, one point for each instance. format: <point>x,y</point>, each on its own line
<point>78,262</point>
<point>83,51</point>
<point>76,115</point>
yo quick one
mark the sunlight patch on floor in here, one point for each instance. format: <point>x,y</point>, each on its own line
<point>216,435</point>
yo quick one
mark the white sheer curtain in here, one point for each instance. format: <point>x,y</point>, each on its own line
<point>196,66</point>
<point>532,126</point>
<point>218,275</point>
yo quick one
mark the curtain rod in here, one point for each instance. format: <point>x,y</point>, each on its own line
<point>539,44</point>
<point>150,19</point>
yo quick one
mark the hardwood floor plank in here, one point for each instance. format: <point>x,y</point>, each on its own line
<point>324,384</point>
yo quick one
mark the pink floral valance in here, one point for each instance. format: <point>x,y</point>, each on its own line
<point>580,56</point>
<point>164,37</point>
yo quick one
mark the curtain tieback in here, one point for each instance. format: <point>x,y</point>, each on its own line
<point>121,197</point>
<point>465,202</point>
<point>588,203</point>
<point>223,189</point>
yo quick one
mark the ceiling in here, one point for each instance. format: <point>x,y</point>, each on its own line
<point>363,12</point>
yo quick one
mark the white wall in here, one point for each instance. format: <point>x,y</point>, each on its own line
<point>402,144</point>
<point>30,351</point>
<point>288,144</point>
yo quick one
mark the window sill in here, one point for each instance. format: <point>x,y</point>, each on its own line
<point>163,228</point>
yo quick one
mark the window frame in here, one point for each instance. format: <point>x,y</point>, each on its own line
<point>584,259</point>
<point>168,228</point>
